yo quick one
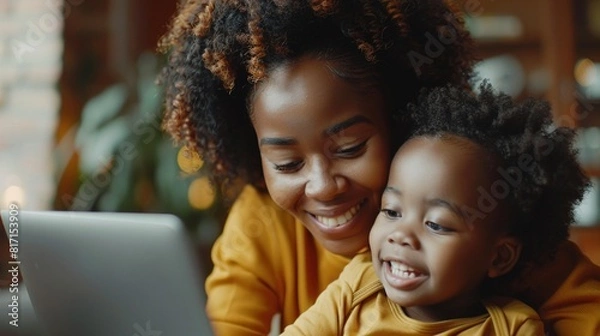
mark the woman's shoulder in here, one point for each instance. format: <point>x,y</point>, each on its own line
<point>253,203</point>
<point>563,291</point>
<point>568,309</point>
<point>254,219</point>
<point>251,195</point>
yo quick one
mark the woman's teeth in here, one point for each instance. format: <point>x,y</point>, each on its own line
<point>339,220</point>
<point>402,270</point>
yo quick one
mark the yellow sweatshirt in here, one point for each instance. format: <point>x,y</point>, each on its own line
<point>266,262</point>
<point>356,304</point>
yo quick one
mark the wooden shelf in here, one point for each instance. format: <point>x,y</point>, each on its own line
<point>554,37</point>
<point>508,44</point>
<point>592,172</point>
<point>592,116</point>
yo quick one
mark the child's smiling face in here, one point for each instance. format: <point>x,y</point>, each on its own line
<point>431,255</point>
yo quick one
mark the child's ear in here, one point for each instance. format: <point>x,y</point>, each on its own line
<point>508,250</point>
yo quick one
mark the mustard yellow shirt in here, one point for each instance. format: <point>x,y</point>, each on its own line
<point>356,304</point>
<point>266,262</point>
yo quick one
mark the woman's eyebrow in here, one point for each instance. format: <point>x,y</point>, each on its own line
<point>347,123</point>
<point>278,141</point>
<point>332,130</point>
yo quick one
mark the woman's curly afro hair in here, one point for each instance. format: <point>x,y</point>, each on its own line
<point>218,50</point>
<point>539,162</point>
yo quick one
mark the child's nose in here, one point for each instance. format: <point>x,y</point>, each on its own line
<point>404,235</point>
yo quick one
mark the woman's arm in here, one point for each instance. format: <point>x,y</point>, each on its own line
<point>564,292</point>
<point>241,301</point>
<point>574,307</point>
<point>242,290</point>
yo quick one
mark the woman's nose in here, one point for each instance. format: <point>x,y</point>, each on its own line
<point>323,183</point>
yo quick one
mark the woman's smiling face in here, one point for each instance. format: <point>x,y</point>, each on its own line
<point>325,151</point>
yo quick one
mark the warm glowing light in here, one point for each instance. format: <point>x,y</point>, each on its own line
<point>189,160</point>
<point>13,194</point>
<point>585,72</point>
<point>201,194</point>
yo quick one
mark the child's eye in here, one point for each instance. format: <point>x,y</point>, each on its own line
<point>288,167</point>
<point>391,214</point>
<point>437,227</point>
<point>353,150</point>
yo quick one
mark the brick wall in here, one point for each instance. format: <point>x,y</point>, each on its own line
<point>31,48</point>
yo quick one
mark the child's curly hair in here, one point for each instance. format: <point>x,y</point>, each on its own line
<point>219,49</point>
<point>522,142</point>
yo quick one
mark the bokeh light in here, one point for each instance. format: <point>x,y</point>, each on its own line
<point>188,160</point>
<point>201,193</point>
<point>13,194</point>
<point>585,72</point>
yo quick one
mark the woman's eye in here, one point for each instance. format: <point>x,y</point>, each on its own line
<point>353,150</point>
<point>391,214</point>
<point>437,227</point>
<point>287,167</point>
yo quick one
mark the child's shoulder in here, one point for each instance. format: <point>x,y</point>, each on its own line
<point>511,316</point>
<point>359,275</point>
<point>510,304</point>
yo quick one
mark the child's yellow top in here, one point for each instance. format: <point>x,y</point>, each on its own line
<point>266,262</point>
<point>356,304</point>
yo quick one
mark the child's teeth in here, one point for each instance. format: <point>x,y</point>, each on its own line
<point>402,270</point>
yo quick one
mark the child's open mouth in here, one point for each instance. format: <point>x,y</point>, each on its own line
<point>402,270</point>
<point>401,276</point>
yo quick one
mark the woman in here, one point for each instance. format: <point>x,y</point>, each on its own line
<point>295,99</point>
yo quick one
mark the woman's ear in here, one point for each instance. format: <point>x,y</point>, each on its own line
<point>508,250</point>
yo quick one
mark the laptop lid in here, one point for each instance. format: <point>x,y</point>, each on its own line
<point>94,273</point>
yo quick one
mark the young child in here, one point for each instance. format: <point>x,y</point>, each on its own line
<point>481,190</point>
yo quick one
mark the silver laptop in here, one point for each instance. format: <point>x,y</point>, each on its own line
<point>104,274</point>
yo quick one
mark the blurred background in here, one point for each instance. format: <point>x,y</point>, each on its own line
<point>80,111</point>
<point>80,125</point>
